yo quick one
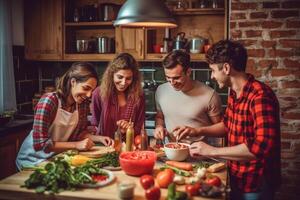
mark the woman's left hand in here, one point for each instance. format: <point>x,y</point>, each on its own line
<point>123,125</point>
<point>107,141</point>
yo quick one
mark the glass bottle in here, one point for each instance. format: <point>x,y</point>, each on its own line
<point>129,137</point>
<point>144,139</point>
<point>76,15</point>
<point>118,141</point>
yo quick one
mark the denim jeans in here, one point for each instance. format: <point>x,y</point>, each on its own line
<point>265,193</point>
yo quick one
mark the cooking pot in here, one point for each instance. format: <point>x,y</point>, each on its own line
<point>85,45</point>
<point>196,44</point>
<point>82,46</point>
<point>105,45</point>
<point>108,11</point>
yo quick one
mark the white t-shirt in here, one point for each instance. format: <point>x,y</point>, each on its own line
<point>192,108</point>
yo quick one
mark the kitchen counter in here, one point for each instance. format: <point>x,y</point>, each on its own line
<point>16,124</point>
<point>12,136</point>
<point>10,188</point>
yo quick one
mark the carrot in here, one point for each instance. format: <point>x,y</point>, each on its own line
<point>180,165</point>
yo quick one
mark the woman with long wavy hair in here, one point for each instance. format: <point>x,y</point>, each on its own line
<point>119,98</point>
<point>60,120</point>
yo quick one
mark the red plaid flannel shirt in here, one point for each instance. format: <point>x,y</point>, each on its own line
<point>253,119</point>
<point>45,113</point>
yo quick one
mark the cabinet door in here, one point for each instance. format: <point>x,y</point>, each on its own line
<point>131,40</point>
<point>9,147</point>
<point>43,32</point>
<point>8,152</point>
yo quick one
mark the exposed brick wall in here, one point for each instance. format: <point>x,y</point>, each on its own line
<point>270,29</point>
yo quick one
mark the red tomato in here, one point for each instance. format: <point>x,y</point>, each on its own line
<point>147,181</point>
<point>153,193</point>
<point>213,181</point>
<point>192,189</point>
<point>164,178</point>
<point>99,177</point>
<point>137,140</point>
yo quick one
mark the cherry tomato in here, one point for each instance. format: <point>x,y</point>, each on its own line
<point>137,140</point>
<point>147,181</point>
<point>153,193</point>
<point>164,178</point>
<point>192,189</point>
<point>213,181</point>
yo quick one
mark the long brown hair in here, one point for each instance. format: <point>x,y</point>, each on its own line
<point>81,72</point>
<point>123,61</point>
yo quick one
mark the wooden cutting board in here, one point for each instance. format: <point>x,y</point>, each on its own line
<point>97,151</point>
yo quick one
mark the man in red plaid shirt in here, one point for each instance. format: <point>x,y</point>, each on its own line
<point>251,123</point>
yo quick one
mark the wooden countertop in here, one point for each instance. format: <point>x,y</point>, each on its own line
<point>10,188</point>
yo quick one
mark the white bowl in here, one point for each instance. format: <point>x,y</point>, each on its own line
<point>176,154</point>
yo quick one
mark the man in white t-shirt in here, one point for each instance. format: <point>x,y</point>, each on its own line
<point>183,104</point>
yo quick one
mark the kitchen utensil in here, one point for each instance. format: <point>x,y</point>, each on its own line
<point>196,44</point>
<point>105,45</point>
<point>180,41</point>
<point>109,11</point>
<point>82,46</point>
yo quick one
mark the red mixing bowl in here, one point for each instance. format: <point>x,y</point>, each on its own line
<point>137,163</point>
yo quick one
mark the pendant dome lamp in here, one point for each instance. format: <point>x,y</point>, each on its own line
<point>145,13</point>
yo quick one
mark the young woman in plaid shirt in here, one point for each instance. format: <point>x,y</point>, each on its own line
<point>251,123</point>
<point>60,119</point>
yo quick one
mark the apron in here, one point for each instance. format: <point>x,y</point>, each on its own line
<point>60,131</point>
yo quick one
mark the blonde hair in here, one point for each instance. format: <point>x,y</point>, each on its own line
<point>123,61</point>
<point>81,72</point>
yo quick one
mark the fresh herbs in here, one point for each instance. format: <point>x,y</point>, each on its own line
<point>109,159</point>
<point>58,175</point>
<point>202,164</point>
<point>54,177</point>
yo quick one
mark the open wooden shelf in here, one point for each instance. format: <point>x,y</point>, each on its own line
<point>199,11</point>
<point>89,23</point>
<point>89,57</point>
<point>160,56</point>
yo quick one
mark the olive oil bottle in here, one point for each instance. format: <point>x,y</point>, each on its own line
<point>129,137</point>
<point>118,141</point>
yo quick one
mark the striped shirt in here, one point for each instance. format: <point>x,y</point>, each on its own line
<point>253,119</point>
<point>45,113</point>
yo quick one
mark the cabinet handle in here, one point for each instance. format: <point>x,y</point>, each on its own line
<point>117,46</point>
<point>141,48</point>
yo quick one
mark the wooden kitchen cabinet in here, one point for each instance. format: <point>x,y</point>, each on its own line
<point>208,23</point>
<point>85,20</point>
<point>131,40</point>
<point>43,29</point>
<point>51,30</point>
<point>10,144</point>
